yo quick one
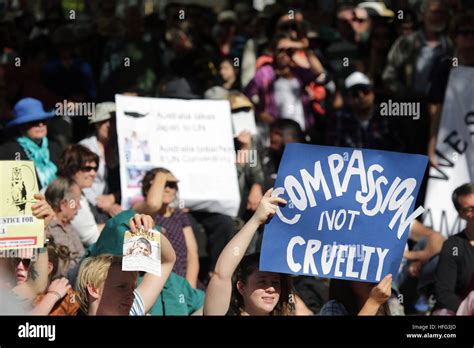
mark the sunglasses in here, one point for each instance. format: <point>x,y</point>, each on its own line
<point>88,168</point>
<point>36,123</point>
<point>355,92</point>
<point>359,20</point>
<point>172,185</point>
<point>289,51</point>
<point>25,262</point>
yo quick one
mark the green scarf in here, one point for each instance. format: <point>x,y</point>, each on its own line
<point>40,156</point>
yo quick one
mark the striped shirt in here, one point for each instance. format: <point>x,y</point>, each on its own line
<point>138,307</point>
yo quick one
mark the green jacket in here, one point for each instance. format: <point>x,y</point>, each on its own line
<point>177,297</point>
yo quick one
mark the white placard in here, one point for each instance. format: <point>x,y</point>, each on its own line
<point>244,121</point>
<point>142,252</point>
<point>192,138</point>
<point>455,152</point>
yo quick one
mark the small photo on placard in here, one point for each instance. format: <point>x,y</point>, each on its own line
<point>142,251</point>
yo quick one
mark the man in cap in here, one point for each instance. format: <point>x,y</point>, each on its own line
<point>361,125</point>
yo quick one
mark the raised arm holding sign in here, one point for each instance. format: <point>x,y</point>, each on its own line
<point>21,206</point>
<point>220,288</point>
<point>37,278</point>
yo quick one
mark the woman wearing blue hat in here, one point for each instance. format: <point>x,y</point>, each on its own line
<point>30,141</point>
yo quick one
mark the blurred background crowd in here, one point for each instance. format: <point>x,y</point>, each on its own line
<point>312,71</point>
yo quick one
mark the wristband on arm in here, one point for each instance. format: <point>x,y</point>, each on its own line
<point>55,293</point>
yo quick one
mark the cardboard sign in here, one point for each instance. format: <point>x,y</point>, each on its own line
<point>192,138</point>
<point>348,214</point>
<point>455,153</point>
<point>18,227</point>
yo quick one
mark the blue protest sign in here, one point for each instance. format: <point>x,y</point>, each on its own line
<point>348,213</point>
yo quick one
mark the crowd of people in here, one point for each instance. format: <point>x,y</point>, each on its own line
<point>316,73</point>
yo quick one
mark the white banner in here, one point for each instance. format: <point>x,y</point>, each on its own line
<point>192,138</point>
<point>455,153</point>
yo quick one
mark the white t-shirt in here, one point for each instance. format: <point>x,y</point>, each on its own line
<point>84,224</point>
<point>288,96</point>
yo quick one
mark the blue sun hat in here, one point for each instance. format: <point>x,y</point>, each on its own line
<point>28,110</point>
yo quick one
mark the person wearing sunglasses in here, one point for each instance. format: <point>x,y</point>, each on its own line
<point>160,189</point>
<point>79,165</point>
<point>360,123</point>
<point>21,269</point>
<point>24,277</point>
<point>278,90</point>
<point>29,141</point>
<point>454,275</point>
<point>105,191</point>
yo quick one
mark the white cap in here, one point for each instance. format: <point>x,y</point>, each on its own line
<point>376,9</point>
<point>102,112</point>
<point>357,78</point>
<point>227,16</point>
<point>216,92</point>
